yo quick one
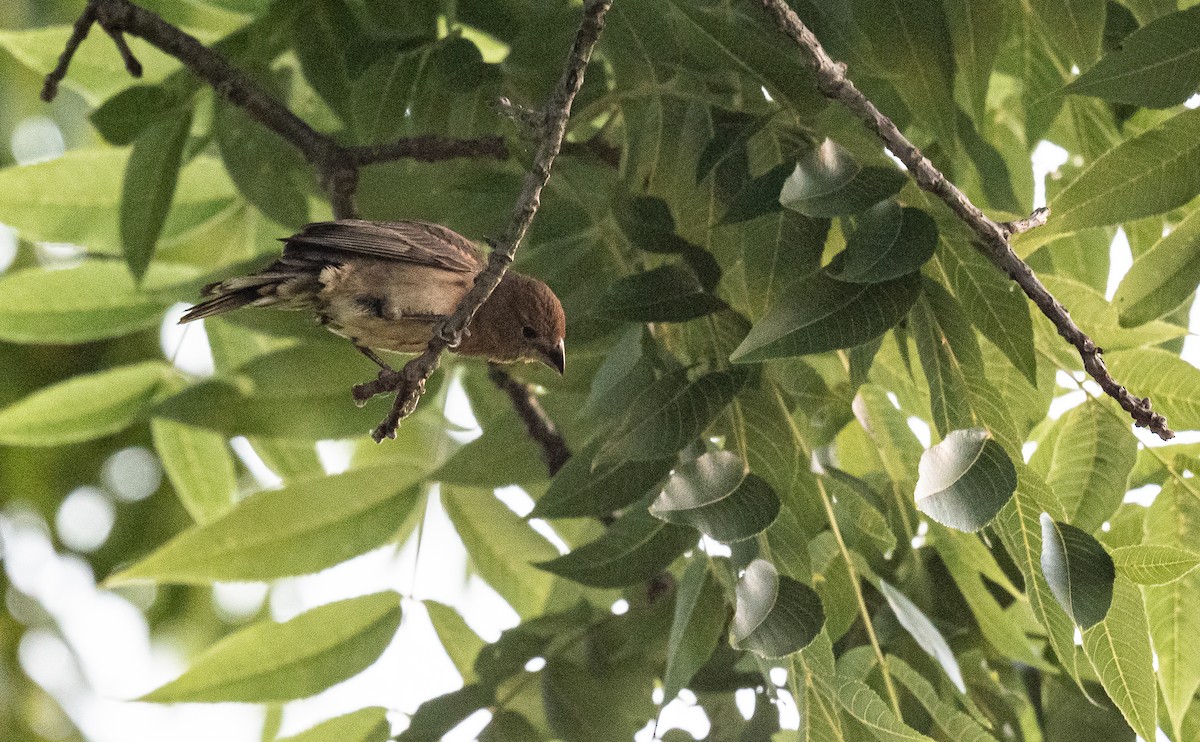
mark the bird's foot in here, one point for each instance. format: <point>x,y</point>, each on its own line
<point>408,393</point>
<point>389,380</point>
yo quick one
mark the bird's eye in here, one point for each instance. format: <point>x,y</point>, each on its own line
<point>528,332</point>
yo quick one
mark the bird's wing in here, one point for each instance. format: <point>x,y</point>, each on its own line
<point>411,242</point>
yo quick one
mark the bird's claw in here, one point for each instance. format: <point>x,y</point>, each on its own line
<point>388,380</point>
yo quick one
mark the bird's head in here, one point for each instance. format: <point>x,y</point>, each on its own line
<point>521,321</point>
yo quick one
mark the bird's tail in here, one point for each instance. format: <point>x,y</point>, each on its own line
<point>281,285</point>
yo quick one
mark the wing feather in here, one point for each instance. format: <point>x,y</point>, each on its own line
<point>410,242</point>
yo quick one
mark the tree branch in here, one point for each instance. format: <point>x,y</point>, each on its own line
<point>338,165</point>
<point>538,424</point>
<point>411,382</point>
<point>993,237</point>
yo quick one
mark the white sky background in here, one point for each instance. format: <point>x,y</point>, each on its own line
<point>102,653</point>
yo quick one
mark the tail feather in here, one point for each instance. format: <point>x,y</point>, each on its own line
<point>276,286</point>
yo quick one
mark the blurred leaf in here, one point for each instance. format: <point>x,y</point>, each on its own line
<point>922,630</point>
<point>669,293</point>
<point>955,724</point>
<point>700,615</point>
<point>759,196</point>
<point>1074,26</point>
<point>1170,382</point>
<point>269,172</point>
<point>863,527</point>
<point>1164,277</point>
<point>731,131</point>
<point>1086,459</point>
<point>911,45</point>
<point>1156,66</point>
<point>828,182</point>
<point>96,69</point>
<point>668,415</point>
<point>1119,650</point>
<point>365,725</point>
<point>579,490</point>
<point>636,547</point>
<point>977,31</point>
<point>149,186</point>
<point>302,528</point>
<point>200,466</point>
<point>715,495</point>
<point>502,547</point>
<point>1100,317</point>
<point>92,301</point>
<point>1148,174</point>
<point>84,407</point>
<point>271,661</point>
<point>1080,572</point>
<point>888,242</point>
<point>776,615</point>
<point>459,640</point>
<point>123,117</point>
<point>965,480</point>
<point>439,715</point>
<point>74,198</point>
<point>1154,564</point>
<point>322,32</point>
<point>586,702</point>
<point>818,313</point>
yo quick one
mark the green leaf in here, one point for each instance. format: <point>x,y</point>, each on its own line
<point>322,32</point>
<point>1119,650</point>
<point>501,546</point>
<point>1080,572</point>
<point>365,725</point>
<point>434,718</point>
<point>1100,319</point>
<point>1086,459</point>
<point>965,480</point>
<point>1154,564</point>
<point>862,703</point>
<point>715,495</point>
<point>1073,26</point>
<point>92,301</point>
<point>775,615</point>
<point>75,198</point>
<point>910,45</point>
<point>1149,174</point>
<point>669,293</point>
<point>459,640</point>
<point>123,117</point>
<point>96,69</point>
<point>862,525</point>
<point>634,548</point>
<point>976,30</point>
<point>149,186</point>
<point>85,407</point>
<point>1164,277</point>
<point>1156,66</point>
<point>200,466</point>
<point>1173,609</point>
<point>268,171</point>
<point>1171,383</point>
<point>922,630</point>
<point>302,528</point>
<point>956,725</point>
<point>1001,315</point>
<point>758,196</point>
<point>888,242</point>
<point>700,615</point>
<point>579,490</point>
<point>668,415</point>
<point>273,662</point>
<point>828,182</point>
<point>819,313</point>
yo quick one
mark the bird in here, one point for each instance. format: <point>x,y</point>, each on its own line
<point>388,286</point>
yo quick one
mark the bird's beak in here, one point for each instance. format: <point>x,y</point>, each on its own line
<point>556,357</point>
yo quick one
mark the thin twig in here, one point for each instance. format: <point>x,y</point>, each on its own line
<point>338,165</point>
<point>554,125</point>
<point>538,424</point>
<point>993,237</point>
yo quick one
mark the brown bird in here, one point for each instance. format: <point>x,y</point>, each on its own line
<point>387,285</point>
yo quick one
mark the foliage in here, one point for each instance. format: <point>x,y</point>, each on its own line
<point>762,310</point>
